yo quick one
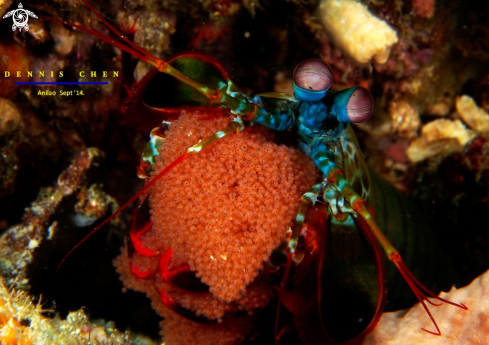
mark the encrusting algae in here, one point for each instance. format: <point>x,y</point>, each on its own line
<point>22,323</point>
<point>223,212</point>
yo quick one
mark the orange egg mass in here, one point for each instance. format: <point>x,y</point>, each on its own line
<point>222,211</point>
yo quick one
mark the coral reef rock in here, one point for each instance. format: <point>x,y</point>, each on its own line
<point>405,119</point>
<point>22,323</point>
<point>440,138</point>
<point>10,118</point>
<point>18,243</point>
<point>356,31</point>
<point>424,8</point>
<point>475,117</point>
<point>458,326</point>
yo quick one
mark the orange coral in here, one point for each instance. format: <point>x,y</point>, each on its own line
<point>223,212</point>
<point>11,330</point>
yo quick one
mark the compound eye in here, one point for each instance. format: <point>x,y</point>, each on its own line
<point>312,79</point>
<point>354,104</point>
<point>360,105</point>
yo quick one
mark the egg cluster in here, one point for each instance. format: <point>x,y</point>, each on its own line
<point>228,328</point>
<point>222,211</point>
<point>184,332</point>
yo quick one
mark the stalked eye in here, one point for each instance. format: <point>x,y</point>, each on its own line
<point>354,104</point>
<point>312,79</point>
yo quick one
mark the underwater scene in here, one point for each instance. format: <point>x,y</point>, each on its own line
<point>225,172</point>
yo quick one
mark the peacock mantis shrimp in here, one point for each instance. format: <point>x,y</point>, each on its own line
<point>355,199</point>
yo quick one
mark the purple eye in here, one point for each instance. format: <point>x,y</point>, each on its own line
<point>354,104</point>
<point>313,75</point>
<point>360,105</point>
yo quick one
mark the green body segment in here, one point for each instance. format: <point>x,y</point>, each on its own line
<point>350,287</point>
<point>415,240</point>
<point>175,93</point>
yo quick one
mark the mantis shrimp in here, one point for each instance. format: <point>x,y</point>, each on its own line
<point>354,207</point>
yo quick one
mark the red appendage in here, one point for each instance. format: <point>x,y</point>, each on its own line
<point>416,286</point>
<point>181,277</point>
